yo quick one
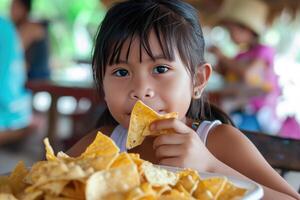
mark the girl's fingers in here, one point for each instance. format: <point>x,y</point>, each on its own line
<point>174,124</point>
<point>175,162</point>
<point>168,139</point>
<point>166,151</point>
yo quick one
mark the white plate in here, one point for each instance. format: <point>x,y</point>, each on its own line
<point>254,190</point>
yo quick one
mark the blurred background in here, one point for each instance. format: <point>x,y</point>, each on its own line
<point>56,38</point>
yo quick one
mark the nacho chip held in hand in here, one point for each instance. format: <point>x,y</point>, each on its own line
<point>141,118</point>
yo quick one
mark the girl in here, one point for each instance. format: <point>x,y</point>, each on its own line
<point>152,50</point>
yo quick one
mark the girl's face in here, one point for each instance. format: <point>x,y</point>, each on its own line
<point>163,85</point>
<point>239,34</point>
<point>18,11</point>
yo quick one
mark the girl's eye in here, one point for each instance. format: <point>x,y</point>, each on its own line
<point>160,69</point>
<point>121,72</point>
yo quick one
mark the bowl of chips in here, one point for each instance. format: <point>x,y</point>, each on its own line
<point>227,184</point>
<point>102,172</point>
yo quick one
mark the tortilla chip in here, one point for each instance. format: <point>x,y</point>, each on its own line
<point>122,159</point>
<point>116,180</point>
<point>158,176</point>
<point>230,191</point>
<point>101,146</point>
<point>215,185</point>
<point>6,196</point>
<point>188,179</point>
<point>141,118</point>
<point>54,187</point>
<point>5,185</point>
<point>16,178</point>
<point>49,150</point>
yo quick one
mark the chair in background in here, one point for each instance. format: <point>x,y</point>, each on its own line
<point>282,154</point>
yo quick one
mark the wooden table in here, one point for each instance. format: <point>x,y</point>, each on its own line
<point>58,89</point>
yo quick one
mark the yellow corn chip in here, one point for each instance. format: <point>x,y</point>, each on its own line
<point>49,150</point>
<point>6,196</point>
<point>136,193</point>
<point>188,179</point>
<point>97,163</point>
<point>74,190</point>
<point>158,176</point>
<point>141,117</point>
<point>16,178</point>
<point>161,190</point>
<point>230,192</point>
<point>49,197</point>
<point>62,156</point>
<point>54,187</point>
<point>103,183</point>
<point>32,195</point>
<point>175,194</point>
<point>122,159</point>
<point>5,185</point>
<point>116,196</point>
<point>215,185</point>
<point>101,146</point>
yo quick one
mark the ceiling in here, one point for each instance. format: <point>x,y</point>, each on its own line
<point>208,8</point>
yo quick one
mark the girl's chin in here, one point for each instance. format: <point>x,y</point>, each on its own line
<point>125,122</point>
<point>126,126</point>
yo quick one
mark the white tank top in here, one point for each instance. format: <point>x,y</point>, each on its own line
<point>119,134</point>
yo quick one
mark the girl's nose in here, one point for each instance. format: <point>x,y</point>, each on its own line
<point>142,94</point>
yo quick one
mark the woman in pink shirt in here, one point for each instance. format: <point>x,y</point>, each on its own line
<point>251,70</point>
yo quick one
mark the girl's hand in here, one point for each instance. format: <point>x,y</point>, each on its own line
<point>183,149</point>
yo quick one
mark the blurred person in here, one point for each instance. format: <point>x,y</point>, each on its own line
<point>15,101</point>
<point>34,39</point>
<point>251,71</point>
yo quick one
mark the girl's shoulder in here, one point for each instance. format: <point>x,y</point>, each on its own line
<point>85,141</point>
<point>223,134</point>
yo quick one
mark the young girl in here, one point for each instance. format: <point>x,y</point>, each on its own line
<point>152,50</point>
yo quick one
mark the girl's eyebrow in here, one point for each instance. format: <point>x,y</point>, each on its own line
<point>156,57</point>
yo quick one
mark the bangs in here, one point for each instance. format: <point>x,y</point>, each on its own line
<point>141,29</point>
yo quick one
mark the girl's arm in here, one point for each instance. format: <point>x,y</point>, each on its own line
<point>237,156</point>
<point>251,72</point>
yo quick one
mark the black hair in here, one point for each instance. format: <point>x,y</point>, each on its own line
<point>27,4</point>
<point>176,26</point>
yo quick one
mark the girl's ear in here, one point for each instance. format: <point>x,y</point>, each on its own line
<point>201,78</point>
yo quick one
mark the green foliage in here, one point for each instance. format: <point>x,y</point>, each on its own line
<point>66,18</point>
<point>71,23</point>
<point>4,7</point>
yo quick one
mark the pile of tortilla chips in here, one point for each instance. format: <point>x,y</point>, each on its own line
<point>102,172</point>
